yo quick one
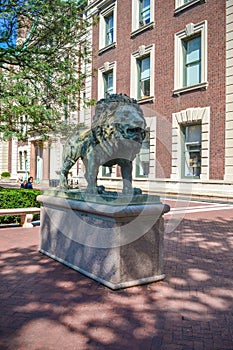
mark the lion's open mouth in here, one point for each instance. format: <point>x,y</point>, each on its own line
<point>134,130</point>
<point>135,133</point>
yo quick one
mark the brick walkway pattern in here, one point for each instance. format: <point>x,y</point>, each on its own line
<point>47,306</point>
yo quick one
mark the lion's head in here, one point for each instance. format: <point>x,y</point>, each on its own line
<point>119,117</point>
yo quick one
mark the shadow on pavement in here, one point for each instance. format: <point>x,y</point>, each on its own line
<point>46,306</point>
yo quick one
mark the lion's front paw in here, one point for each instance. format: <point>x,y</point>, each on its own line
<point>63,183</point>
<point>137,191</point>
<point>101,189</point>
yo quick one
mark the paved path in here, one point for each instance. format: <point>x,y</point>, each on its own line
<point>47,306</point>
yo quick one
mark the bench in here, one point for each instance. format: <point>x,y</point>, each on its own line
<point>26,214</point>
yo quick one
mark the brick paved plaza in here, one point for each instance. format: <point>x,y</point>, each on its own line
<point>47,306</point>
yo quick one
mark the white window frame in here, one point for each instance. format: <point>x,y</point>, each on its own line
<point>107,67</point>
<point>189,164</point>
<point>24,152</point>
<point>102,27</point>
<point>179,119</point>
<point>180,5</point>
<point>141,154</point>
<point>142,51</point>
<point>151,125</point>
<point>20,166</point>
<point>190,31</point>
<point>106,75</point>
<point>143,80</point>
<point>136,28</point>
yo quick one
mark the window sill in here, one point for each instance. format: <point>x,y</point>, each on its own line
<point>187,6</point>
<point>106,48</point>
<point>142,29</point>
<point>146,99</point>
<point>187,178</point>
<point>201,86</point>
<point>141,177</point>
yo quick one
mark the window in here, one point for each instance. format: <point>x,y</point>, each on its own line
<point>142,74</point>
<point>143,158</point>
<point>144,12</point>
<point>108,83</point>
<point>25,159</point>
<point>143,66</point>
<point>181,5</point>
<point>107,28</point>
<point>142,15</point>
<point>20,160</point>
<point>106,171</point>
<point>106,79</point>
<point>191,150</point>
<point>190,71</point>
<point>191,143</point>
<point>192,61</point>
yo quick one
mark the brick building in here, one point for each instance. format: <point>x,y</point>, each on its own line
<point>176,59</point>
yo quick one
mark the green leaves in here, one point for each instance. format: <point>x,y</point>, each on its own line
<point>42,76</point>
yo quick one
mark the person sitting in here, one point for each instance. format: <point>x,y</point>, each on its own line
<point>29,183</point>
<point>23,184</point>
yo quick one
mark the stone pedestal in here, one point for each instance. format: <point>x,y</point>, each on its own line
<point>117,245</point>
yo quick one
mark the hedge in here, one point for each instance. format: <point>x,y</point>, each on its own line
<point>16,198</point>
<point>5,174</point>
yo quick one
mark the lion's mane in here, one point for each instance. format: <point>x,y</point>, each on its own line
<point>105,124</point>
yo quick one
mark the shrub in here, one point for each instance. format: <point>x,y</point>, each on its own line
<point>5,174</point>
<point>17,198</point>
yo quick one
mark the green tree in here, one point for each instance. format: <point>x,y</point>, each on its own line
<point>43,51</point>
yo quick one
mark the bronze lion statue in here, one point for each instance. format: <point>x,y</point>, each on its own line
<point>116,136</point>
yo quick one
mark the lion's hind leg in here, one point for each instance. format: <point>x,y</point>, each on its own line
<point>67,165</point>
<point>71,153</point>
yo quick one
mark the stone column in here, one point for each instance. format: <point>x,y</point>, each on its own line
<point>32,164</point>
<point>14,159</point>
<point>46,161</point>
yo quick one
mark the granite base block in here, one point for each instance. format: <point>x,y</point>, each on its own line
<point>117,246</point>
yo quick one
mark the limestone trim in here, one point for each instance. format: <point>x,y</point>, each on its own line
<point>151,125</point>
<point>84,114</point>
<point>149,26</point>
<point>184,117</point>
<point>229,93</point>
<point>180,5</point>
<point>4,151</point>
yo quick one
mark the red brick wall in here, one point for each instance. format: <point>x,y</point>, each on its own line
<point>166,24</point>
